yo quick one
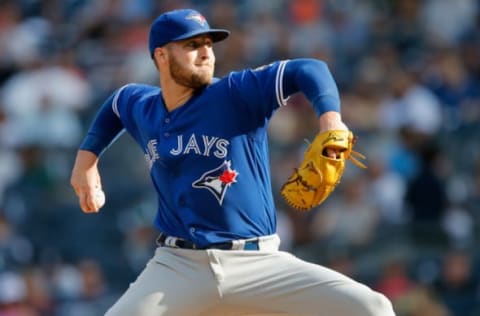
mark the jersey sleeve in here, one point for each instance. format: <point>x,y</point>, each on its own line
<point>259,91</point>
<point>313,78</point>
<point>262,90</point>
<point>107,125</point>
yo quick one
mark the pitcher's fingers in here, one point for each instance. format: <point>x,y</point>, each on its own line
<point>82,199</point>
<point>87,203</point>
<point>333,153</point>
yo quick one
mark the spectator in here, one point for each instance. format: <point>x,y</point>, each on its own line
<point>458,286</point>
<point>395,281</point>
<point>387,190</point>
<point>15,250</point>
<point>426,199</point>
<point>349,219</point>
<point>420,302</point>
<point>456,89</point>
<point>13,294</point>
<point>410,104</point>
<point>93,296</point>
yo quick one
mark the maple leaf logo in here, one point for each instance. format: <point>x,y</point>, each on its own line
<point>228,176</point>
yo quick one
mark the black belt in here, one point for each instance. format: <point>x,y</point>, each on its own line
<point>175,242</point>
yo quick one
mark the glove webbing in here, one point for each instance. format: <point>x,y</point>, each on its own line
<point>356,155</point>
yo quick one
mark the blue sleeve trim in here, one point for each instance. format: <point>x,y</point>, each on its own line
<point>105,129</point>
<point>313,78</point>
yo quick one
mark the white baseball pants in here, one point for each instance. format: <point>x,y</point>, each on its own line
<point>178,282</point>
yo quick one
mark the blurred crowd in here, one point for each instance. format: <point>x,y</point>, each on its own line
<point>409,76</point>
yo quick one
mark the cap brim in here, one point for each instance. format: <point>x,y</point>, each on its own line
<point>217,34</point>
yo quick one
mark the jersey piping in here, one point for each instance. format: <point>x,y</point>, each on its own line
<point>279,84</point>
<point>115,100</point>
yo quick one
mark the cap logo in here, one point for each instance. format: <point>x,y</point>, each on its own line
<point>200,19</point>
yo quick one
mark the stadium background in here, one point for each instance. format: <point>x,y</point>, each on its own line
<point>408,72</point>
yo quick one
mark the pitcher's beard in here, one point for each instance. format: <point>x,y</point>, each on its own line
<point>187,78</point>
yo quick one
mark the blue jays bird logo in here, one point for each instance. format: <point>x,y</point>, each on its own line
<point>217,180</point>
<point>200,19</point>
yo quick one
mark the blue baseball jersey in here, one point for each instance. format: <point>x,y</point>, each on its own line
<point>208,159</point>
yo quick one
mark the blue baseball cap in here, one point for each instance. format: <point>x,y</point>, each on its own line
<point>181,24</point>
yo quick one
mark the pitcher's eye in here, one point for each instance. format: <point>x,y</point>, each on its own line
<point>193,45</point>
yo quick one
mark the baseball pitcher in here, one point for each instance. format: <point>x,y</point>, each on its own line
<point>205,144</point>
